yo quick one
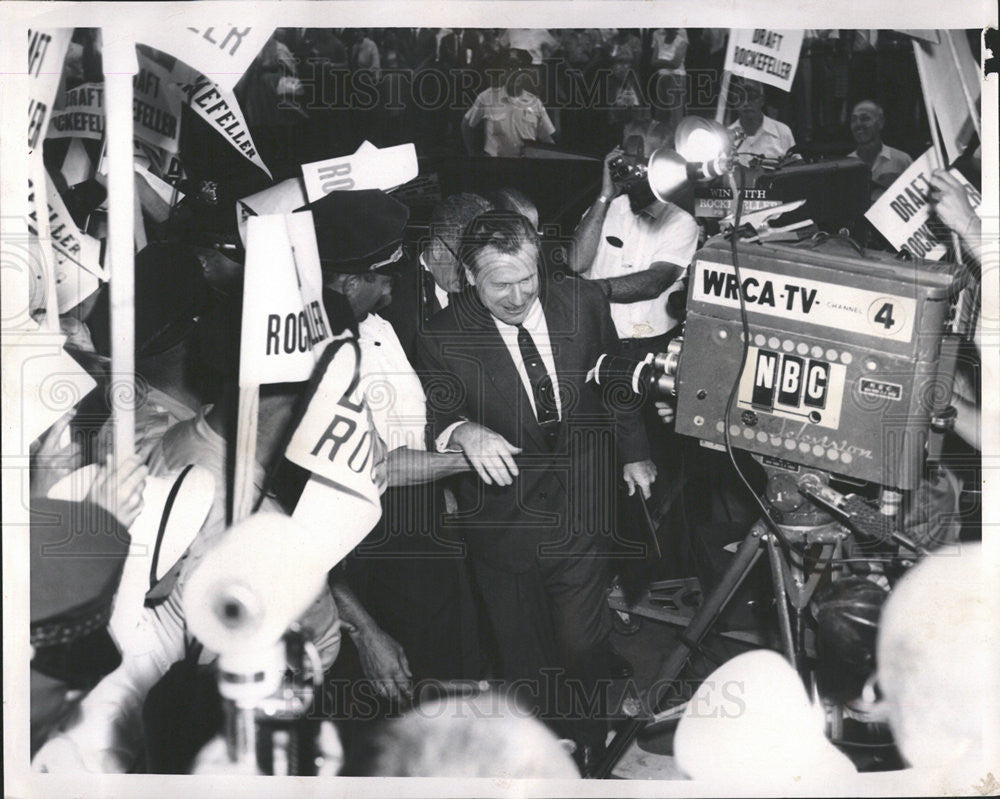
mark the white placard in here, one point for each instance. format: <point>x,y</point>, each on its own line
<point>220,109</point>
<point>221,53</point>
<point>46,53</point>
<point>156,106</point>
<point>903,212</point>
<point>367,168</point>
<point>285,326</point>
<point>281,198</point>
<point>79,113</point>
<point>336,437</point>
<point>763,54</point>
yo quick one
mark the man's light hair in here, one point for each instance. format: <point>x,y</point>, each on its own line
<point>482,736</point>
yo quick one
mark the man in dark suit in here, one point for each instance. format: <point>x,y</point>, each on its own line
<point>422,286</point>
<point>505,368</point>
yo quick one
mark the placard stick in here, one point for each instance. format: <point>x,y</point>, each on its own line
<point>720,106</point>
<point>973,112</point>
<point>120,66</point>
<point>45,250</point>
<point>246,452</point>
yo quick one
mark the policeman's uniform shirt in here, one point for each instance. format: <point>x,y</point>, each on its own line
<point>391,387</point>
<point>889,164</point>
<point>772,140</point>
<point>509,121</point>
<point>661,232</point>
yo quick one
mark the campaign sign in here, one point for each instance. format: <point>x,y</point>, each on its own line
<point>367,168</point>
<point>79,112</point>
<point>285,326</point>
<point>156,106</point>
<point>336,437</point>
<point>220,109</point>
<point>902,214</point>
<point>222,53</point>
<point>281,198</point>
<point>46,53</point>
<point>768,56</point>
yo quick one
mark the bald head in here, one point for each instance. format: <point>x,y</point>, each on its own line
<point>867,121</point>
<point>933,656</point>
<point>480,736</point>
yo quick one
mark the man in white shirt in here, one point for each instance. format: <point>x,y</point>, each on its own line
<point>763,136</point>
<point>510,113</point>
<point>887,163</point>
<point>637,248</point>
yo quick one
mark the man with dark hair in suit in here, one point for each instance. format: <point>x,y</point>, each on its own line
<point>505,369</point>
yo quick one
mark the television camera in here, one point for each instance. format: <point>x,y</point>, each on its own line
<point>821,361</point>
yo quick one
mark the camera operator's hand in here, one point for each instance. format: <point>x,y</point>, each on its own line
<point>641,474</point>
<point>608,187</point>
<point>491,455</point>
<point>666,411</point>
<point>384,662</point>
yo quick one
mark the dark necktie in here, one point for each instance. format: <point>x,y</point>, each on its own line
<point>542,387</point>
<point>431,304</point>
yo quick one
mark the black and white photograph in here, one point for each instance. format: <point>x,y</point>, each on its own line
<point>535,411</point>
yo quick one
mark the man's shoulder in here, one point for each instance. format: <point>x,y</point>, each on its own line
<point>897,156</point>
<point>776,126</point>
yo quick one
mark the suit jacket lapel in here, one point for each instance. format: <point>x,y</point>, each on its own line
<point>497,362</point>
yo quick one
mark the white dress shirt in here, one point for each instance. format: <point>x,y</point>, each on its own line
<point>889,164</point>
<point>772,140</point>
<point>536,325</point>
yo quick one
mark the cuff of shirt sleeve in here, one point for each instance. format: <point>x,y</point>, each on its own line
<point>441,442</point>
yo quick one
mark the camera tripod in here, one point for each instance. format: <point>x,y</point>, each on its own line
<point>793,584</point>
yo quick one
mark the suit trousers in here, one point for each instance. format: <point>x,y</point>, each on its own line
<point>552,626</point>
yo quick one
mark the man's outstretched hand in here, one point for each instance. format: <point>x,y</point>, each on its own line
<point>491,455</point>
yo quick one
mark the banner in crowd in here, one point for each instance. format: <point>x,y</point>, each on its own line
<point>70,245</point>
<point>942,84</point>
<point>717,202</point>
<point>156,106</point>
<point>285,326</point>
<point>336,441</point>
<point>78,113</point>
<point>46,54</point>
<point>902,214</point>
<point>766,55</point>
<point>281,198</point>
<point>335,438</point>
<point>221,54</point>
<point>367,168</point>
<point>220,109</point>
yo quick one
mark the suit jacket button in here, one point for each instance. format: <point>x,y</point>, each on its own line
<point>543,495</point>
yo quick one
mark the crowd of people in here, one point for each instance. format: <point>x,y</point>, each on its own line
<point>491,91</point>
<point>503,472</point>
